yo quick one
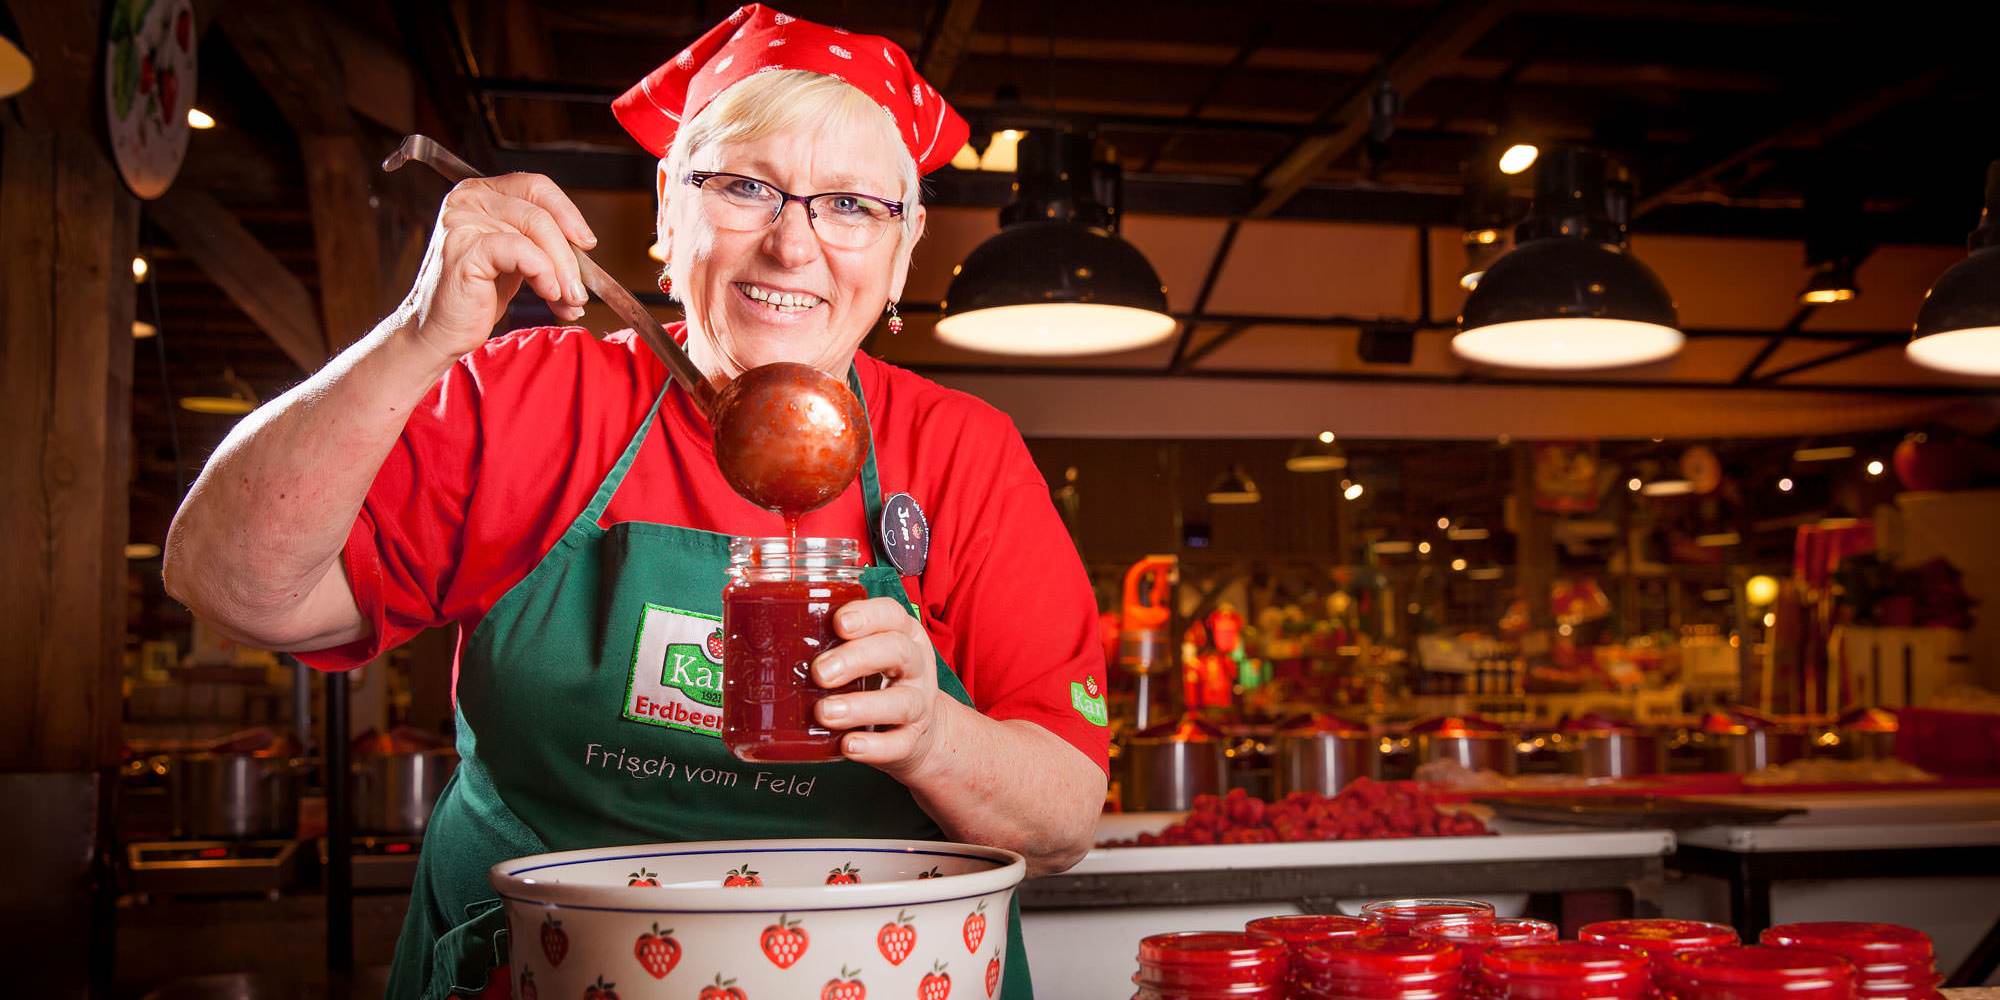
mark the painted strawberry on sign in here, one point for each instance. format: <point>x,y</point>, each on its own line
<point>975,928</point>
<point>742,876</point>
<point>555,940</point>
<point>600,990</point>
<point>643,878</point>
<point>722,989</point>
<point>783,942</point>
<point>936,984</point>
<point>993,972</point>
<point>846,986</point>
<point>714,645</point>
<point>897,939</point>
<point>527,990</point>
<point>844,875</point>
<point>657,952</point>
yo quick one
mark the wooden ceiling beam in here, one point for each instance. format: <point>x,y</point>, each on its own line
<point>945,45</point>
<point>257,282</point>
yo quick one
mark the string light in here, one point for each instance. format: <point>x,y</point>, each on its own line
<point>1458,565</point>
<point>1874,467</point>
<point>1518,157</point>
<point>199,119</point>
<point>1633,484</point>
<point>140,268</point>
<point>1785,485</point>
<point>1353,491</point>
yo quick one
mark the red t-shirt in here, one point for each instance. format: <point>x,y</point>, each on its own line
<point>507,449</point>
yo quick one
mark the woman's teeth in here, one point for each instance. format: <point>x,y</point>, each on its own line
<point>781,301</point>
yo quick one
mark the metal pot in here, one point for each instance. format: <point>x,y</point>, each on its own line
<point>1474,743</point>
<point>1168,765</point>
<point>1615,753</point>
<point>235,796</point>
<point>1741,749</point>
<point>1866,734</point>
<point>1324,755</point>
<point>394,792</point>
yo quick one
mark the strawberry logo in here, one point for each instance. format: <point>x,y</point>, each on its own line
<point>722,989</point>
<point>555,940</point>
<point>657,952</point>
<point>975,928</point>
<point>1090,685</point>
<point>714,645</point>
<point>844,875</point>
<point>644,878</point>
<point>897,939</point>
<point>741,876</point>
<point>600,990</point>
<point>527,990</point>
<point>933,873</point>
<point>184,29</point>
<point>783,942</point>
<point>993,972</point>
<point>844,987</point>
<point>935,985</point>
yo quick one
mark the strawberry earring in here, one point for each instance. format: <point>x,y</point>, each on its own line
<point>895,321</point>
<point>666,284</point>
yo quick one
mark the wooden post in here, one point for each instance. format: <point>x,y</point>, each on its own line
<point>1534,541</point>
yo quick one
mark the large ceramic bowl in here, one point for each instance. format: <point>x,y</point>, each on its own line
<point>761,920</point>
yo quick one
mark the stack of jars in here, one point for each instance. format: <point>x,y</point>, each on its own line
<point>1302,930</point>
<point>1211,965</point>
<point>1661,940</point>
<point>1475,938</point>
<point>1890,961</point>
<point>1758,973</point>
<point>1381,967</point>
<point>1564,970</point>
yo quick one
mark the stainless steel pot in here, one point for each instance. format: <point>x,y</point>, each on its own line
<point>1168,765</point>
<point>235,796</point>
<point>1740,750</point>
<point>1325,758</point>
<point>1615,753</point>
<point>1866,734</point>
<point>1473,743</point>
<point>394,792</point>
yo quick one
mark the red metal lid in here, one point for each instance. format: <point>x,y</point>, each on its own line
<point>1791,969</point>
<point>1210,960</point>
<point>1659,936</point>
<point>1500,932</point>
<point>1189,728</point>
<point>1863,942</point>
<point>1457,725</point>
<point>1869,720</point>
<point>1382,956</point>
<point>1593,722</point>
<point>1599,964</point>
<point>1301,929</point>
<point>1321,722</point>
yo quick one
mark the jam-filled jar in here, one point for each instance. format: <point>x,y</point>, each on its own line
<point>1565,970</point>
<point>1758,973</point>
<point>1890,960</point>
<point>1401,916</point>
<point>1474,940</point>
<point>1659,938</point>
<point>1211,965</point>
<point>1298,930</point>
<point>1381,967</point>
<point>777,617</point>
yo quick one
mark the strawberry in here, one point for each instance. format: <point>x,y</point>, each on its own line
<point>844,875</point>
<point>527,990</point>
<point>897,939</point>
<point>644,878</point>
<point>783,942</point>
<point>146,73</point>
<point>600,990</point>
<point>657,952</point>
<point>184,29</point>
<point>169,86</point>
<point>555,940</point>
<point>741,876</point>
<point>993,973</point>
<point>722,989</point>
<point>714,644</point>
<point>975,928</point>
<point>844,987</point>
<point>935,985</point>
<point>933,873</point>
<point>1090,685</point>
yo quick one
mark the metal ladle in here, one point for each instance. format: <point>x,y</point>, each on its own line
<point>788,437</point>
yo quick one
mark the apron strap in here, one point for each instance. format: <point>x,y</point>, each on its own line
<point>871,480</point>
<point>602,498</point>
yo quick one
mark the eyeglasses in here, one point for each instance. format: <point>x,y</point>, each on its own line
<point>840,219</point>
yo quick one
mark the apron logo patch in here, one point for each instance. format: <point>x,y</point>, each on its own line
<point>677,671</point>
<point>1088,700</point>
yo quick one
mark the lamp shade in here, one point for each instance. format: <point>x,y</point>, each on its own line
<point>1570,296</point>
<point>1316,455</point>
<point>1958,326</point>
<point>1234,487</point>
<point>17,71</point>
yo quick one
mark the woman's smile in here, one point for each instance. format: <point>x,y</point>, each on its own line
<point>772,305</point>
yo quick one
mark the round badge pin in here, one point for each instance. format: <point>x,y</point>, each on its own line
<point>905,534</point>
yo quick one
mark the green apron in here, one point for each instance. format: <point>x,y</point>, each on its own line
<point>551,675</point>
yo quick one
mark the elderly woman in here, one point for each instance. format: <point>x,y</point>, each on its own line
<point>553,496</point>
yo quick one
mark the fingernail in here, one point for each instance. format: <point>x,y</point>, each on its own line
<point>577,292</point>
<point>589,238</point>
<point>833,709</point>
<point>828,670</point>
<point>857,744</point>
<point>850,619</point>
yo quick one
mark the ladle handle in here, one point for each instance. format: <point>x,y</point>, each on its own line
<point>427,151</point>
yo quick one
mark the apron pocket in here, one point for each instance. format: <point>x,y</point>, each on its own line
<point>463,958</point>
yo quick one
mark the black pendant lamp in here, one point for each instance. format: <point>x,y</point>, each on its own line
<point>1057,279</point>
<point>1958,326</point>
<point>1570,295</point>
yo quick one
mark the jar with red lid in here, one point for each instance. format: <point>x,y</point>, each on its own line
<point>1565,970</point>
<point>1660,939</point>
<point>1211,965</point>
<point>1301,929</point>
<point>1474,940</point>
<point>1890,960</point>
<point>1758,973</point>
<point>1401,916</point>
<point>1380,967</point>
<point>777,616</point>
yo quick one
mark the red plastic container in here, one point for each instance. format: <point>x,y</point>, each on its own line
<point>1660,939</point>
<point>777,615</point>
<point>1380,967</point>
<point>1759,973</point>
<point>1474,940</point>
<point>1565,970</point>
<point>1890,960</point>
<point>1401,916</point>
<point>1211,965</point>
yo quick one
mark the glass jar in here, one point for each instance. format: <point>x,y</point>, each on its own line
<point>1301,929</point>
<point>1401,916</point>
<point>1890,960</point>
<point>1660,939</point>
<point>1474,940</point>
<point>1565,970</point>
<point>777,617</point>
<point>1380,967</point>
<point>1758,973</point>
<point>1211,965</point>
